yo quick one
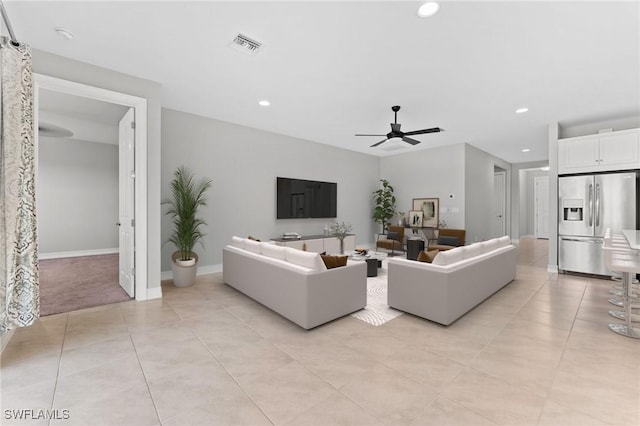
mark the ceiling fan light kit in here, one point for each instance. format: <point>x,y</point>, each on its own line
<point>397,133</point>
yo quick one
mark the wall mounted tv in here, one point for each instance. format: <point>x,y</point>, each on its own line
<point>297,198</point>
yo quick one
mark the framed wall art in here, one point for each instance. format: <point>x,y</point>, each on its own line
<point>430,208</point>
<point>415,218</point>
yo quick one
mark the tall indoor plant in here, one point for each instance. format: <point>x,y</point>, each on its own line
<point>187,196</point>
<point>385,204</point>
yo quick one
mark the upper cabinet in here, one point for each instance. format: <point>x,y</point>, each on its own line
<point>599,153</point>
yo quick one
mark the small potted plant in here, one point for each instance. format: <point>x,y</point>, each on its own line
<point>340,230</point>
<point>187,196</point>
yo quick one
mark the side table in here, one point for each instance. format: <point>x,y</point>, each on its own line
<point>414,247</point>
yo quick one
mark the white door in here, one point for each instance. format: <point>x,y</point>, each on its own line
<point>541,206</point>
<point>498,222</point>
<point>126,204</point>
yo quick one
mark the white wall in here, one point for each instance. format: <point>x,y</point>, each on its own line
<point>433,173</point>
<point>80,72</point>
<point>78,187</point>
<point>518,195</point>
<point>528,225</point>
<point>243,164</point>
<point>479,185</point>
<point>592,127</point>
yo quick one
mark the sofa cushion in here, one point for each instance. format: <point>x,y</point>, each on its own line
<point>334,261</point>
<point>237,242</point>
<point>448,241</point>
<point>274,251</point>
<point>252,246</point>
<point>472,250</point>
<point>427,256</point>
<point>504,241</point>
<point>307,259</point>
<point>490,245</point>
<point>448,257</point>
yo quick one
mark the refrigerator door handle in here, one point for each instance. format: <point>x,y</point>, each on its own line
<point>581,241</point>
<point>591,205</point>
<point>597,205</point>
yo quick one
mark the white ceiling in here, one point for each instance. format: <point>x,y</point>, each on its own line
<point>333,69</point>
<point>88,119</point>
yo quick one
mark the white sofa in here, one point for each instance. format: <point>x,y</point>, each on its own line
<point>458,280</point>
<point>294,283</point>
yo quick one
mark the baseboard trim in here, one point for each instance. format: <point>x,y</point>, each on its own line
<point>202,270</point>
<point>63,254</point>
<point>154,293</point>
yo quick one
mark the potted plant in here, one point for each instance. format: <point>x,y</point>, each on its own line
<point>385,204</point>
<point>187,196</point>
<point>340,230</point>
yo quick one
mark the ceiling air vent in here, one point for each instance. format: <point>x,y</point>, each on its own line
<point>244,44</point>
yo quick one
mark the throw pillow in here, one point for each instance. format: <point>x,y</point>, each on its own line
<point>427,256</point>
<point>448,241</point>
<point>391,235</point>
<point>329,261</point>
<point>334,261</point>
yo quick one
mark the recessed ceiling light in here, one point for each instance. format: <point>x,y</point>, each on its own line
<point>521,110</point>
<point>545,168</point>
<point>264,103</point>
<point>64,33</point>
<point>429,8</point>
<point>526,150</point>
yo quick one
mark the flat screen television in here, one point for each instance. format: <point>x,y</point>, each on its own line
<point>298,198</point>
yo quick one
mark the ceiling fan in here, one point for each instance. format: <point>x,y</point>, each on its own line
<point>397,133</point>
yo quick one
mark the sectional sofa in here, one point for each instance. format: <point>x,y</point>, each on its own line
<point>458,280</point>
<point>294,283</point>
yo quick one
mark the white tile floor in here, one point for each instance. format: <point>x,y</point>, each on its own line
<point>537,352</point>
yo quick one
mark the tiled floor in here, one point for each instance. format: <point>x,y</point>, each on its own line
<point>537,352</point>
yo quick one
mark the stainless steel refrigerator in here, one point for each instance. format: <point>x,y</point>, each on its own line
<point>588,205</point>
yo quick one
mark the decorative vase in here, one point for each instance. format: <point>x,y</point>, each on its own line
<point>341,245</point>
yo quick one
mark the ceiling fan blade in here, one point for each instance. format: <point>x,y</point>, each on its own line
<point>395,127</point>
<point>411,141</point>
<point>378,143</point>
<point>360,134</point>
<point>421,132</point>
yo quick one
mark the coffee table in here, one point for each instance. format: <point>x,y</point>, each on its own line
<point>373,259</point>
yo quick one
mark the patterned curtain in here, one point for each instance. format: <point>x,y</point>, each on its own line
<point>19,291</point>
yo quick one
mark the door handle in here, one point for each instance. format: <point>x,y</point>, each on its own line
<point>597,204</point>
<point>580,241</point>
<point>591,205</point>
<point>118,224</point>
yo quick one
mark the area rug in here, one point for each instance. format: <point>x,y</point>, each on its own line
<point>73,283</point>
<point>377,312</point>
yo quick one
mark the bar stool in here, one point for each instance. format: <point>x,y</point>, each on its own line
<point>618,241</point>
<point>619,251</point>
<point>628,263</point>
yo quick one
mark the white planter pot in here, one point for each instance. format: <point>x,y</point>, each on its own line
<point>185,263</point>
<point>184,271</point>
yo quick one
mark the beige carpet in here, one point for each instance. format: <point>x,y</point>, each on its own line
<point>73,283</point>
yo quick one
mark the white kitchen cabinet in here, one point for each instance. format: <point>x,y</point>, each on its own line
<point>599,153</point>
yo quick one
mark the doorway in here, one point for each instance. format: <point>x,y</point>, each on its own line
<point>541,207</point>
<point>498,224</point>
<point>135,243</point>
